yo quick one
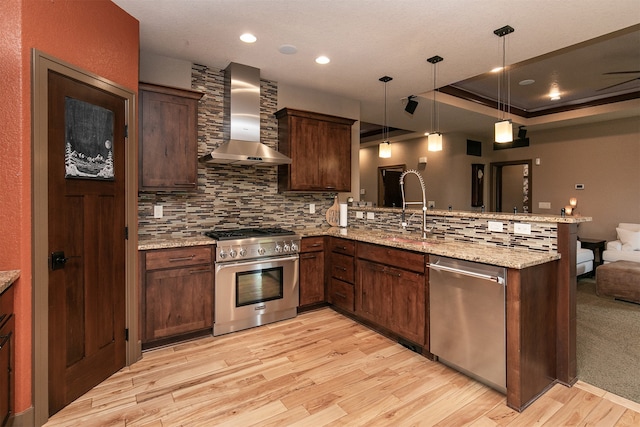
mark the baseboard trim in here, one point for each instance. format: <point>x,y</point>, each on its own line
<point>23,419</point>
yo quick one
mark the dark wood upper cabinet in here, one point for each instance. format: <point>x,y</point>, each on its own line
<point>320,148</point>
<point>168,138</point>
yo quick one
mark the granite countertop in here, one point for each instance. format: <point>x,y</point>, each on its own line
<point>487,254</point>
<point>173,242</point>
<point>7,278</point>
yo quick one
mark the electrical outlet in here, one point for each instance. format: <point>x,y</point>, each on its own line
<point>359,214</point>
<point>431,204</point>
<point>312,208</point>
<point>371,215</point>
<point>521,228</point>
<point>362,191</point>
<point>157,211</point>
<point>495,226</point>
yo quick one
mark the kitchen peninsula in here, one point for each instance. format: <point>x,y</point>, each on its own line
<point>540,299</point>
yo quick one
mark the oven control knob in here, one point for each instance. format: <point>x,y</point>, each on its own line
<point>294,247</point>
<point>243,252</point>
<point>287,247</point>
<point>222,254</point>
<point>233,253</point>
<point>278,248</point>
<point>261,251</point>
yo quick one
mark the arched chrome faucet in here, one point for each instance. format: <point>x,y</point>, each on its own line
<point>424,200</point>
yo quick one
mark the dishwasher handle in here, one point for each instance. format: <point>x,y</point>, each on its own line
<point>497,279</point>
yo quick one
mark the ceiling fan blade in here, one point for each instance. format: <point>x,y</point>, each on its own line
<point>617,84</point>
<point>622,72</point>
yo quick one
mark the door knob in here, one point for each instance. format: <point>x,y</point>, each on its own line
<point>58,260</point>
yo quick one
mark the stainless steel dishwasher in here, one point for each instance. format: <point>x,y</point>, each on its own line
<point>467,318</point>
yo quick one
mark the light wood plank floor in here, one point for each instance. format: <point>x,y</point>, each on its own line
<point>318,369</point>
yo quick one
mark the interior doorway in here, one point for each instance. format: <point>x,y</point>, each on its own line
<point>43,66</point>
<point>511,186</point>
<point>389,193</point>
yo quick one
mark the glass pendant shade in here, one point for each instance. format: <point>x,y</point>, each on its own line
<point>504,131</point>
<point>434,142</point>
<point>384,150</point>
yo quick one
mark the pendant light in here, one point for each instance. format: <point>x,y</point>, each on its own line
<point>503,127</point>
<point>434,140</point>
<point>384,149</point>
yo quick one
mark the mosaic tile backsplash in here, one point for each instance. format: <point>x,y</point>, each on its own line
<point>229,196</point>
<point>247,196</point>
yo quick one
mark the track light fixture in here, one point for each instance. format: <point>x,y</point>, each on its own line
<point>503,127</point>
<point>411,104</point>
<point>384,149</point>
<point>434,140</point>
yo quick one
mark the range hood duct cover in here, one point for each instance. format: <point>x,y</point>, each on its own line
<point>242,112</point>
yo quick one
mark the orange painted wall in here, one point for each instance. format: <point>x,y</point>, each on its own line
<point>94,35</point>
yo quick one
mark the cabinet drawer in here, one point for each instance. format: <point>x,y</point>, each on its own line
<point>342,294</point>
<point>312,244</point>
<point>179,257</point>
<point>343,246</point>
<point>342,267</point>
<point>396,257</point>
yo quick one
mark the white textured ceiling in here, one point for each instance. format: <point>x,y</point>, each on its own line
<point>367,39</point>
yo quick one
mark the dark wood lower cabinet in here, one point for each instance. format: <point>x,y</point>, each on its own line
<point>177,294</point>
<point>312,272</point>
<point>392,298</point>
<point>7,351</point>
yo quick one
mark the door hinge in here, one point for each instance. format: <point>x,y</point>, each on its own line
<point>126,334</point>
<point>126,233</point>
<point>126,131</point>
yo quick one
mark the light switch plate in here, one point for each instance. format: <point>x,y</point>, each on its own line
<point>157,211</point>
<point>544,205</point>
<point>370,215</point>
<point>521,228</point>
<point>312,208</point>
<point>359,214</point>
<point>495,226</point>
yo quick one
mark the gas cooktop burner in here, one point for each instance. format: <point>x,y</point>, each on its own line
<point>243,233</point>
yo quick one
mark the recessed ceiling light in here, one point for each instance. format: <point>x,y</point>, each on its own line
<point>527,82</point>
<point>248,38</point>
<point>288,49</point>
<point>322,60</point>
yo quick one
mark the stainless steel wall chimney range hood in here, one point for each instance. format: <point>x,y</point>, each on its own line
<point>242,112</point>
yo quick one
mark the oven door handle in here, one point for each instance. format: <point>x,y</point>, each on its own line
<point>220,266</point>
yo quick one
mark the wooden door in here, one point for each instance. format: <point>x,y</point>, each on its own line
<point>86,223</point>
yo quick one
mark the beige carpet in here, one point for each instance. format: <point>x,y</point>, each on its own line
<point>608,342</point>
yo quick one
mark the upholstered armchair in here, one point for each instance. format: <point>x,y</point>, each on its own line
<point>626,247</point>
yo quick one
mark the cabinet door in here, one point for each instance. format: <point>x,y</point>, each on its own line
<point>306,154</point>
<point>312,278</point>
<point>408,304</point>
<point>178,301</point>
<point>6,369</point>
<point>335,164</point>
<point>168,141</point>
<point>373,293</point>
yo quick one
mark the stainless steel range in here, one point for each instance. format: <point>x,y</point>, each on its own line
<point>256,278</point>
